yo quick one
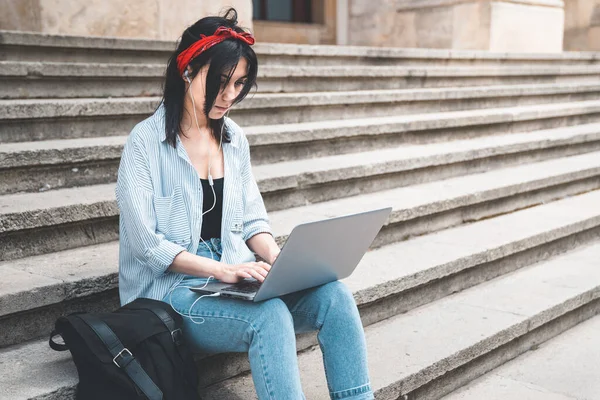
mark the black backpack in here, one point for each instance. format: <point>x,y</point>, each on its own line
<point>136,352</point>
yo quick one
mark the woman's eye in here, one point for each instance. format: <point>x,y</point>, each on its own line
<point>237,83</point>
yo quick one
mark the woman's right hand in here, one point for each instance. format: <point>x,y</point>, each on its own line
<point>233,273</point>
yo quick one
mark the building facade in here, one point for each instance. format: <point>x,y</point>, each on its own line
<point>582,25</point>
<point>494,25</point>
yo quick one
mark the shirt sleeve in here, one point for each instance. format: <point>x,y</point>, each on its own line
<point>136,205</point>
<point>255,219</point>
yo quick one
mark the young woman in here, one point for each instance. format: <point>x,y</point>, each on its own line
<point>191,211</point>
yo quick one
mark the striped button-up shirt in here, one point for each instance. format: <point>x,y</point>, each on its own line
<point>160,199</point>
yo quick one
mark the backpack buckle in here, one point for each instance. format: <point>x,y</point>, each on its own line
<point>176,336</point>
<point>125,350</point>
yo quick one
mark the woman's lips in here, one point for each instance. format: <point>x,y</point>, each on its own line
<point>222,108</point>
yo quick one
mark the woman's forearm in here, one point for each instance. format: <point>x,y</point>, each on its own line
<point>187,263</point>
<point>265,246</point>
<point>191,264</point>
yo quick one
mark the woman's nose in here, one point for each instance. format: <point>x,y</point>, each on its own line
<point>229,93</point>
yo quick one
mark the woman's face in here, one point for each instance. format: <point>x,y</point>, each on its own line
<point>226,95</point>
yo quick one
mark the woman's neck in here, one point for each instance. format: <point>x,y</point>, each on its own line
<point>189,129</point>
<point>193,134</point>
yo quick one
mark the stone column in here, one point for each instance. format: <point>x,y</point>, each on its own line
<point>582,25</point>
<point>151,19</point>
<point>499,25</point>
<point>341,22</point>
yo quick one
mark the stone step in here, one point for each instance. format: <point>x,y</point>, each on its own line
<point>43,165</point>
<point>45,286</point>
<point>296,183</point>
<point>570,370</point>
<point>434,349</point>
<point>24,79</point>
<point>504,316</point>
<point>47,119</point>
<point>26,46</point>
<point>39,223</point>
<point>287,142</point>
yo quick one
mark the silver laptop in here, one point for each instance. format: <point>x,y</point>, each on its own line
<point>314,253</point>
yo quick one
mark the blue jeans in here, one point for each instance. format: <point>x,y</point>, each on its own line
<point>267,332</point>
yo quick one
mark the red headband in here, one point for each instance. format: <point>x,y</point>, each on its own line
<point>206,42</point>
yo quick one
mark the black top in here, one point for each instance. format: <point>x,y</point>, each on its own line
<point>211,222</point>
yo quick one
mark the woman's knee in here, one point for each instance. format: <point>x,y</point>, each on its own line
<point>274,317</point>
<point>337,294</point>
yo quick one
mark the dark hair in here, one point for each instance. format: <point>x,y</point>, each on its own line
<point>223,58</point>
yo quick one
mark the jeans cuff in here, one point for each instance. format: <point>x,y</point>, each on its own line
<point>358,393</point>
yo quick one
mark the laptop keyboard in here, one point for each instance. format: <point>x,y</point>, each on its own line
<point>244,287</point>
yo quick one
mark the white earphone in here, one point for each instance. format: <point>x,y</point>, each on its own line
<point>210,181</point>
<point>210,178</point>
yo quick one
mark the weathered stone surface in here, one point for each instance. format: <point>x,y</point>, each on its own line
<point>513,26</point>
<point>463,247</point>
<point>57,207</point>
<point>38,359</point>
<point>326,130</point>
<point>44,165</point>
<point>494,387</point>
<point>61,151</point>
<point>40,80</point>
<point>463,237</point>
<point>106,119</point>
<point>296,174</point>
<point>174,17</point>
<point>38,223</point>
<point>428,199</point>
<point>594,37</point>
<point>416,4</point>
<point>524,28</point>
<point>49,279</point>
<point>20,15</point>
<point>37,210</point>
<point>57,277</point>
<point>381,28</point>
<point>495,311</point>
<point>140,19</point>
<point>434,28</point>
<point>48,165</point>
<point>471,26</point>
<point>150,19</point>
<point>31,46</point>
<point>76,70</point>
<point>22,119</point>
<point>581,25</point>
<point>569,370</point>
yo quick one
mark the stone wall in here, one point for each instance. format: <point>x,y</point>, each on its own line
<point>152,19</point>
<point>527,26</point>
<point>582,25</point>
<point>501,25</point>
<point>495,25</point>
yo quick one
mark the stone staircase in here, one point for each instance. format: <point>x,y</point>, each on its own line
<point>491,163</point>
<point>575,351</point>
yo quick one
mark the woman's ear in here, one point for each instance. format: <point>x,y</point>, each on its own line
<point>186,74</point>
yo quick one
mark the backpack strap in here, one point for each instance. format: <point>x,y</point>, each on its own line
<point>123,357</point>
<point>165,318</point>
<point>54,345</point>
